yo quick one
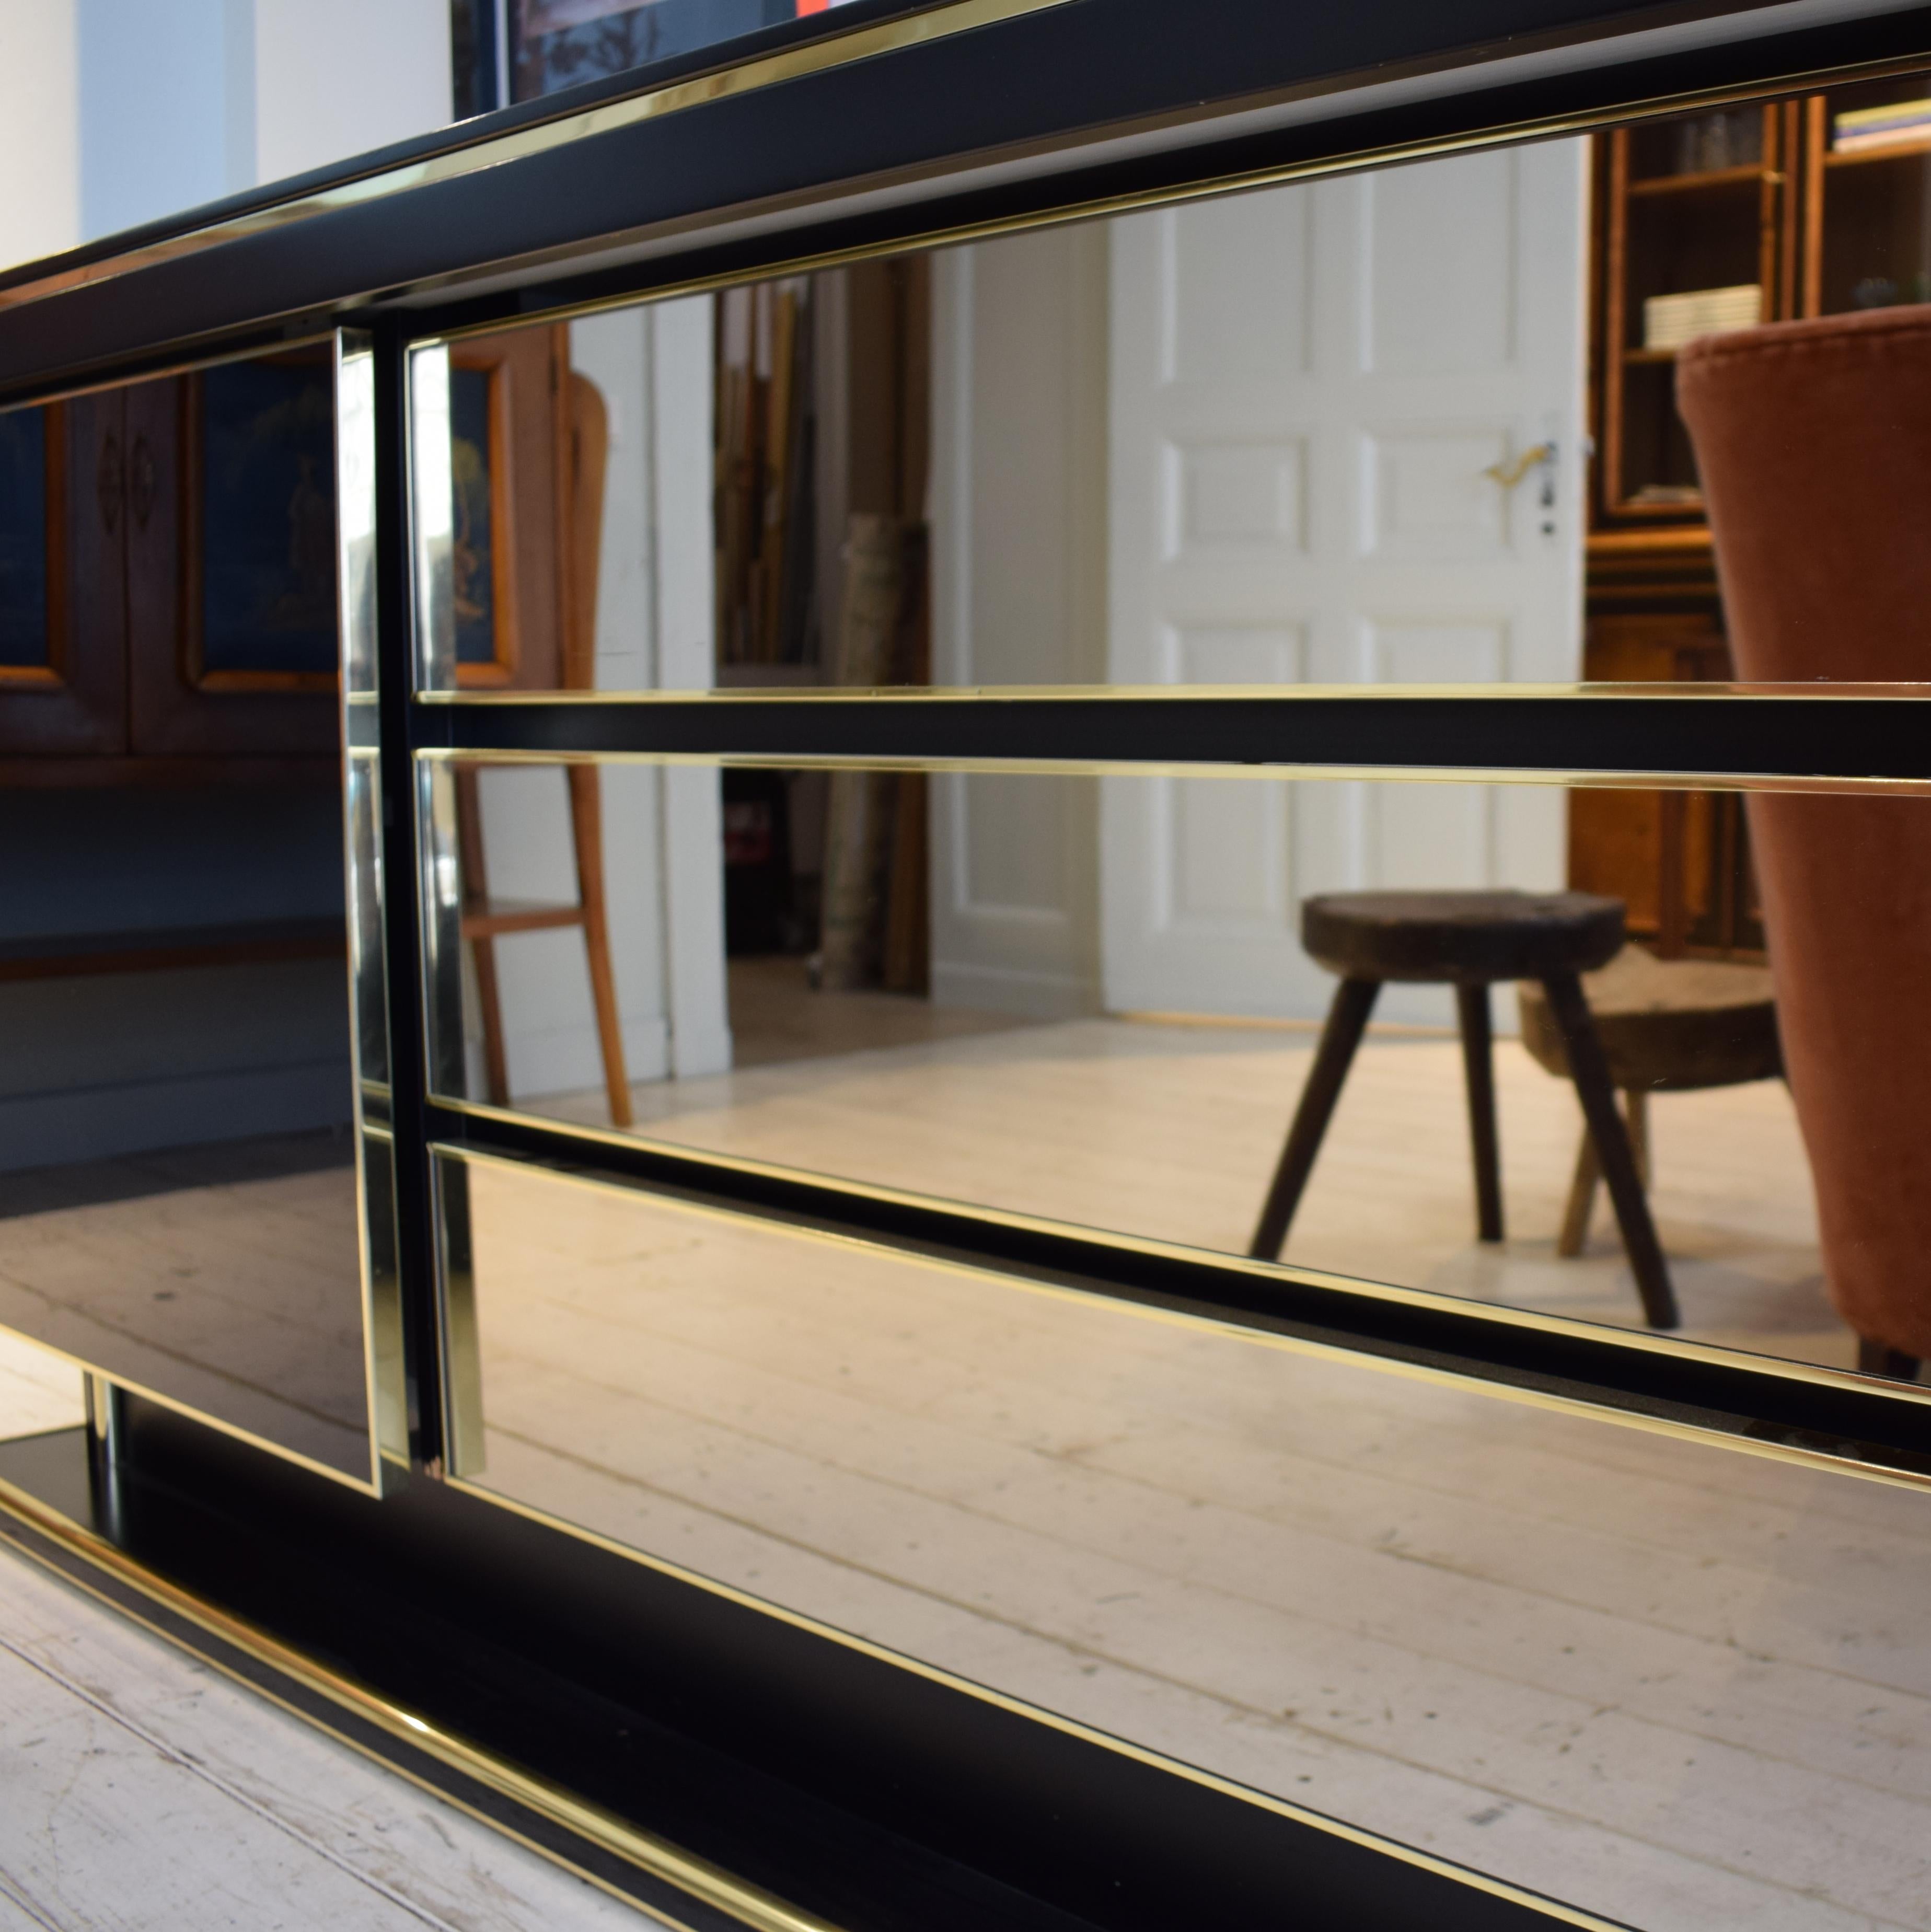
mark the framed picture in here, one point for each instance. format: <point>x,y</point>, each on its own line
<point>259,456</point>
<point>484,548</point>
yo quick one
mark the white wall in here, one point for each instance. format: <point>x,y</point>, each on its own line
<point>1018,518</point>
<point>40,132</point>
<point>114,113</point>
<point>662,837</point>
<point>167,107</point>
<point>344,76</point>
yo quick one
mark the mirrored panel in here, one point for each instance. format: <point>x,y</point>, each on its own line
<point>39,1391</point>
<point>1670,1684</point>
<point>1642,1058</point>
<point>191,885</point>
<point>1468,421</point>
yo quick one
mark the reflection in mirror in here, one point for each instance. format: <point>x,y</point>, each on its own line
<point>1405,1032</point>
<point>178,1152</point>
<point>38,1390</point>
<point>1415,425</point>
<point>1660,1680</point>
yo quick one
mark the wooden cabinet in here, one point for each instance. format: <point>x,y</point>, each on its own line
<point>1689,216</point>
<point>63,594</point>
<point>167,579</point>
<point>1703,205</point>
<point>167,563</point>
<point>230,561</point>
<point>1798,202</point>
<point>1867,199</point>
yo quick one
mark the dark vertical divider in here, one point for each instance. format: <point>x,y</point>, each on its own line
<point>409,1060</point>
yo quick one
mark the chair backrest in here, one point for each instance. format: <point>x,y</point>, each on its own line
<point>1813,442</point>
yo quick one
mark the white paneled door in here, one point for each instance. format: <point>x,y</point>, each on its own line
<point>1320,393</point>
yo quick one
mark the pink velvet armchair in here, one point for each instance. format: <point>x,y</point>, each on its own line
<point>1813,440</point>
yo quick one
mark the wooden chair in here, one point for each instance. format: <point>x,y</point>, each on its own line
<point>485,919</point>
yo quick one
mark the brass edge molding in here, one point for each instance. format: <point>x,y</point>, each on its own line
<point>1504,691</point>
<point>832,50</point>
<point>838,49</point>
<point>1505,134</point>
<point>1638,1341</point>
<point>353,428</point>
<point>697,1877</point>
<point>1633,779</point>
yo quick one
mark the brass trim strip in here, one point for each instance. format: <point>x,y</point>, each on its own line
<point>832,50</point>
<point>702,1880</point>
<point>1633,778</point>
<point>1353,160</point>
<point>1500,692</point>
<point>838,49</point>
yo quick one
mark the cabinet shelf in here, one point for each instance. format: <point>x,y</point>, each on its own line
<point>1753,174</point>
<point>1904,151</point>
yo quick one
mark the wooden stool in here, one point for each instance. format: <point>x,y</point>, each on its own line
<point>1469,940</point>
<point>1666,1026</point>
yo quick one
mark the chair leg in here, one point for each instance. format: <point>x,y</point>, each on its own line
<point>1591,1072</point>
<point>1635,1111</point>
<point>1581,1204</point>
<point>476,893</point>
<point>1346,1021</point>
<point>1478,1062</point>
<point>1581,1200</point>
<point>587,823</point>
<point>1877,1358</point>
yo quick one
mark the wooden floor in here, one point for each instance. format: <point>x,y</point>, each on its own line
<point>226,1277</point>
<point>1171,1130</point>
<point>1678,1686</point>
<point>1683,1687</point>
<point>776,1016</point>
<point>141,1791</point>
<point>38,1391</point>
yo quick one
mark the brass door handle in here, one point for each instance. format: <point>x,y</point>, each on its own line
<point>1509,474</point>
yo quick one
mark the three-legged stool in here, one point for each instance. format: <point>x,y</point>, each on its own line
<point>1469,940</point>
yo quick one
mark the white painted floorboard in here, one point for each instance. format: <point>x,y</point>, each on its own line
<point>142,1791</point>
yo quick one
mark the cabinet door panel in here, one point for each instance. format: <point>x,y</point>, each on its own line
<point>63,676</point>
<point>230,562</point>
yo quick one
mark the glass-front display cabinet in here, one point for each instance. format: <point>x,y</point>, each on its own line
<point>965,967</point>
